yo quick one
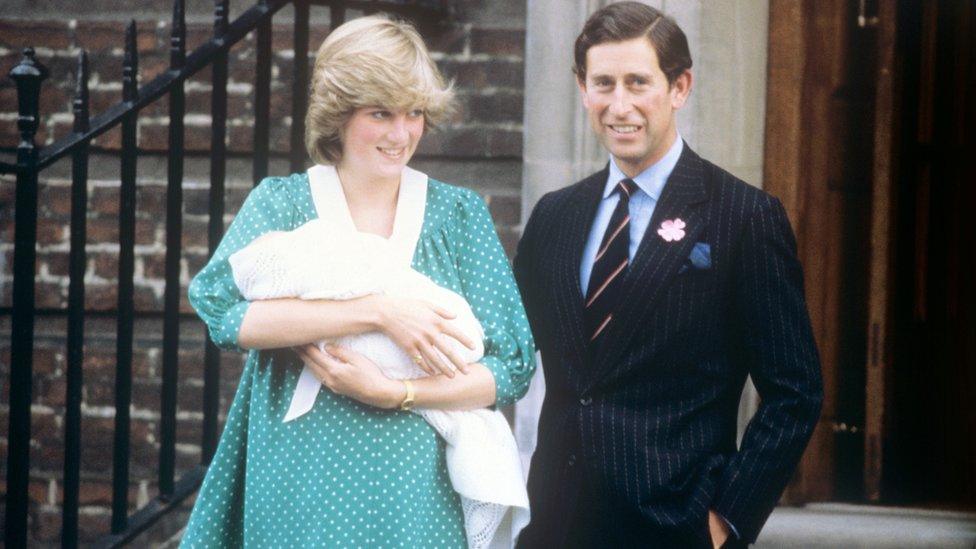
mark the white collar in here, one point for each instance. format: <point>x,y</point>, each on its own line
<point>652,179</point>
<point>331,206</point>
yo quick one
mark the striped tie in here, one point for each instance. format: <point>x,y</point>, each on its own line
<point>610,265</point>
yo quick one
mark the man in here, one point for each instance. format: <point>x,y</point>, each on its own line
<point>654,287</point>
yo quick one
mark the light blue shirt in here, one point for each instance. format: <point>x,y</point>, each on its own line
<point>650,183</point>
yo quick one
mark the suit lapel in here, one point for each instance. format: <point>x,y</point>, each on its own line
<point>656,261</point>
<point>568,246</point>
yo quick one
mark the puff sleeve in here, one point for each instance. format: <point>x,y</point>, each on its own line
<point>212,292</point>
<point>488,285</point>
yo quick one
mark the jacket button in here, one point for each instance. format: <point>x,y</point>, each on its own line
<point>571,461</point>
<point>586,401</point>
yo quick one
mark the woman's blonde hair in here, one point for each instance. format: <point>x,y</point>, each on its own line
<point>370,62</point>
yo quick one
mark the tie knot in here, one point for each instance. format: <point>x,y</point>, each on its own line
<point>626,187</point>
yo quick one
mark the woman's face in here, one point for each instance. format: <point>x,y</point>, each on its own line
<point>381,141</point>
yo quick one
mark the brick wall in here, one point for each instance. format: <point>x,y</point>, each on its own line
<point>480,148</point>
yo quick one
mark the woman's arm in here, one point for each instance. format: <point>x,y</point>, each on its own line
<point>349,373</point>
<point>276,323</point>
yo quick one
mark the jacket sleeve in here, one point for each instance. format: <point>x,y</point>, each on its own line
<point>775,344</point>
<point>524,266</point>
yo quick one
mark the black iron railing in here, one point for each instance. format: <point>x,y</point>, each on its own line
<point>28,76</point>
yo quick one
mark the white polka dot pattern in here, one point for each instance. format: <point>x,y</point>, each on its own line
<point>346,474</point>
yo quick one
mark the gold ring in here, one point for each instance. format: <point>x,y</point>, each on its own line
<point>418,359</point>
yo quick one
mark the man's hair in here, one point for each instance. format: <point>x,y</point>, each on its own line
<point>371,61</point>
<point>628,20</point>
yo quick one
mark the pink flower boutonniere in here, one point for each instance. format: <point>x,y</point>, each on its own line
<point>672,230</point>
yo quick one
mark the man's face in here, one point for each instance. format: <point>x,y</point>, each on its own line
<point>630,104</point>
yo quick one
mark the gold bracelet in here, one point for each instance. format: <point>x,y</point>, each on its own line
<point>407,403</point>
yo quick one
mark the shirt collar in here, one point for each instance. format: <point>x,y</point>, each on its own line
<point>651,180</point>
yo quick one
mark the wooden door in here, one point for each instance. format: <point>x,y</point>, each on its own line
<point>922,405</point>
<point>818,161</point>
<point>870,145</point>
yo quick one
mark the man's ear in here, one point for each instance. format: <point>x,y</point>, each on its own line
<point>681,89</point>
<point>581,83</point>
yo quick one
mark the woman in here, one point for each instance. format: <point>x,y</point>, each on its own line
<point>355,471</point>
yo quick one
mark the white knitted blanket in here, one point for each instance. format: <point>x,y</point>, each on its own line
<point>312,262</point>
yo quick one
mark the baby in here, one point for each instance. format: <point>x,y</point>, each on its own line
<point>312,262</point>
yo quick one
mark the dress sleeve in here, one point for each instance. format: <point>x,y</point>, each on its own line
<point>488,285</point>
<point>213,293</point>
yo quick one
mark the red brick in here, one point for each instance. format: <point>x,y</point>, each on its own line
<point>103,36</point>
<point>151,200</point>
<point>509,238</point>
<point>150,67</point>
<point>92,526</point>
<point>50,295</point>
<point>154,266</point>
<point>106,230</point>
<point>446,38</point>
<point>18,34</point>
<point>100,297</point>
<point>196,201</point>
<point>104,200</point>
<point>46,524</point>
<point>240,138</point>
<point>56,262</point>
<point>234,198</point>
<point>50,391</point>
<point>54,201</point>
<point>46,361</point>
<point>106,264</point>
<point>197,138</point>
<point>146,300</point>
<point>242,66</point>
<point>107,66</point>
<point>98,434</point>
<point>110,140</point>
<point>196,34</point>
<point>281,139</point>
<point>146,394</point>
<point>283,37</point>
<point>498,41</point>
<point>9,135</point>
<point>194,233</point>
<point>155,137</point>
<point>52,231</point>
<point>57,130</point>
<point>55,100</point>
<point>102,100</point>
<point>505,210</point>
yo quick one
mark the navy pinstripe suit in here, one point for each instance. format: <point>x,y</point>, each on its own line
<point>637,436</point>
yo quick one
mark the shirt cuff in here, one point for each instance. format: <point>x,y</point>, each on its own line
<point>732,530</point>
<point>504,389</point>
<point>230,327</point>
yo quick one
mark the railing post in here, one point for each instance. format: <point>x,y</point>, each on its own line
<point>126,304</point>
<point>215,227</point>
<point>76,313</point>
<point>262,99</point>
<point>299,90</point>
<point>174,230</point>
<point>28,75</point>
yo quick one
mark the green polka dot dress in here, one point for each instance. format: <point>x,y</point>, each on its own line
<point>346,474</point>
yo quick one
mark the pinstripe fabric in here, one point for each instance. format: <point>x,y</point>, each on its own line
<point>644,426</point>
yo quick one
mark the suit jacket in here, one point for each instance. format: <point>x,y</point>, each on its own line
<point>647,420</point>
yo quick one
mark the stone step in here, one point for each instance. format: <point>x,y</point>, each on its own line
<point>832,525</point>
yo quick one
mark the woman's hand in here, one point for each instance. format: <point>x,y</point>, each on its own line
<point>419,328</point>
<point>351,374</point>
